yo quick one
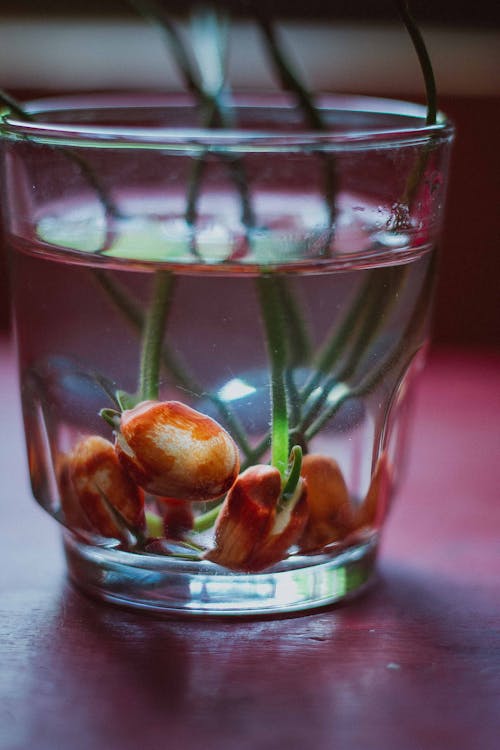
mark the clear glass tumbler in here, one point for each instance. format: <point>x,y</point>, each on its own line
<point>218,332</point>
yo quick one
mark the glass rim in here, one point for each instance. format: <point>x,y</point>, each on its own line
<point>203,139</point>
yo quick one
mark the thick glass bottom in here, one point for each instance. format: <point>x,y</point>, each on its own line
<point>172,586</point>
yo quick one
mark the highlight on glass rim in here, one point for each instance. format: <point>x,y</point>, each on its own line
<point>221,304</point>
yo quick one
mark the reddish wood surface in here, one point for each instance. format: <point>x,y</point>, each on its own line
<point>413,665</point>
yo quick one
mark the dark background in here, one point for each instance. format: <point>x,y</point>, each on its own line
<point>484,13</point>
<point>467,309</point>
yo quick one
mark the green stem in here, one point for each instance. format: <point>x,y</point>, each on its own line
<point>258,451</point>
<point>294,402</point>
<point>299,344</point>
<point>272,316</point>
<point>338,340</point>
<point>293,477</point>
<point>111,210</point>
<point>382,297</point>
<point>193,192</point>
<point>154,328</point>
<point>155,13</point>
<point>210,119</point>
<point>386,294</point>
<point>214,114</point>
<point>418,171</point>
<point>290,81</point>
<point>206,520</point>
<point>120,298</point>
<point>371,303</point>
<point>423,58</point>
<point>232,423</point>
<point>15,106</point>
<point>238,174</point>
<point>131,310</point>
<point>290,480</point>
<point>407,341</point>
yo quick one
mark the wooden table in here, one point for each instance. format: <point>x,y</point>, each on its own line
<point>412,665</point>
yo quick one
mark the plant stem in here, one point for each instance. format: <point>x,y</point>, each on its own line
<point>381,299</point>
<point>272,316</point>
<point>334,348</point>
<point>213,110</point>
<point>206,520</point>
<point>127,306</point>
<point>109,206</point>
<point>365,385</point>
<point>290,81</point>
<point>293,477</point>
<point>299,345</point>
<point>337,341</point>
<point>215,114</point>
<point>258,451</point>
<point>154,12</point>
<point>423,58</point>
<point>418,171</point>
<point>15,106</point>
<point>406,341</point>
<point>154,327</point>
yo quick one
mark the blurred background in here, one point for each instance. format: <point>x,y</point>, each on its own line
<point>47,48</point>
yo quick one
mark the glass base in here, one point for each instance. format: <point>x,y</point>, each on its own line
<point>169,586</point>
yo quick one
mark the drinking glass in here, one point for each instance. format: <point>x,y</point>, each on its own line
<point>218,335</point>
